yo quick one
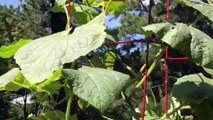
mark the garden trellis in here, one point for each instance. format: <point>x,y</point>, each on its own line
<point>148,41</point>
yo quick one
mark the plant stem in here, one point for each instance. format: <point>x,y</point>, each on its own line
<point>152,67</point>
<point>69,96</point>
<point>24,86</point>
<point>73,64</point>
<point>132,72</point>
<point>68,19</point>
<point>107,7</point>
<point>153,96</point>
<point>174,110</point>
<point>61,101</point>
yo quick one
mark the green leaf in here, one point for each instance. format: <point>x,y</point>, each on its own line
<point>51,85</point>
<point>8,77</point>
<point>109,59</point>
<point>14,81</point>
<point>81,14</point>
<point>99,87</point>
<point>192,42</point>
<point>148,117</point>
<point>95,61</point>
<point>50,115</point>
<point>115,7</point>
<point>193,88</point>
<point>201,48</point>
<point>18,83</point>
<point>82,104</point>
<point>60,2</point>
<point>179,38</point>
<point>204,8</point>
<point>159,29</point>
<point>210,2</point>
<point>57,8</point>
<point>209,71</point>
<point>40,58</point>
<point>203,110</point>
<point>84,8</point>
<point>10,50</point>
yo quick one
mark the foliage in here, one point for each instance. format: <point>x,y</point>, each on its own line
<point>53,63</point>
<point>9,51</point>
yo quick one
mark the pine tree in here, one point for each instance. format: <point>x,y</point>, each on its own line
<point>34,19</point>
<point>30,20</point>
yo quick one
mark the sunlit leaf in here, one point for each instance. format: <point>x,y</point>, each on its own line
<point>60,2</point>
<point>99,87</point>
<point>210,2</point>
<point>14,81</point>
<point>10,50</point>
<point>8,77</point>
<point>40,58</point>
<point>18,83</point>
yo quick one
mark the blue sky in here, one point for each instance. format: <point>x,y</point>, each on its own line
<point>14,3</point>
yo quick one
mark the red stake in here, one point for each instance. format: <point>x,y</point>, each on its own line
<point>167,10</point>
<point>177,59</point>
<point>166,87</point>
<point>165,64</point>
<point>144,95</point>
<point>69,12</point>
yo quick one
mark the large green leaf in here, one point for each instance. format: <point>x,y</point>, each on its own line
<point>179,38</point>
<point>159,29</point>
<point>204,8</point>
<point>196,90</point>
<point>192,42</point>
<point>40,58</point>
<point>99,87</point>
<point>201,48</point>
<point>193,88</point>
<point>9,51</point>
